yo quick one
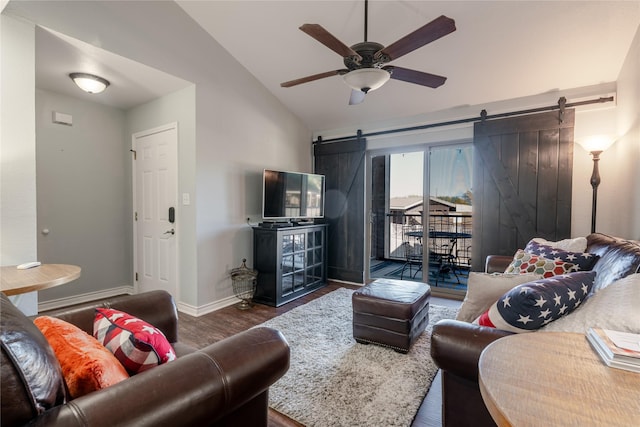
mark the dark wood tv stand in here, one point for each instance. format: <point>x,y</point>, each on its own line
<point>291,262</point>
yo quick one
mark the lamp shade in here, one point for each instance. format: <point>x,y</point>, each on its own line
<point>596,142</point>
<point>366,79</point>
<point>89,83</point>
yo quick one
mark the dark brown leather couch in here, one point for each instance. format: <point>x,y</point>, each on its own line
<point>456,346</point>
<point>224,384</point>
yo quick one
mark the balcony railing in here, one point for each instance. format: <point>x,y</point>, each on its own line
<point>447,234</point>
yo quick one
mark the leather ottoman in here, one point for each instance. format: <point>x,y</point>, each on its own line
<point>391,313</point>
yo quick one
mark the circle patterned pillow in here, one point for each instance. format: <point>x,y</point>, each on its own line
<point>525,262</point>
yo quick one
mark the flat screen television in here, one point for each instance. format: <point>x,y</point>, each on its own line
<point>292,195</point>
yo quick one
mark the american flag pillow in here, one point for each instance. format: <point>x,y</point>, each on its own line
<point>583,260</point>
<point>530,306</point>
<point>135,343</point>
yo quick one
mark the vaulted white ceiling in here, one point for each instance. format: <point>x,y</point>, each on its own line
<point>500,50</point>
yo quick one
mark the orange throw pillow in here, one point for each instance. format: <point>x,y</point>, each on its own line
<point>86,365</point>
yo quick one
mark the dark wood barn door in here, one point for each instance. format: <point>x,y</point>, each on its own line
<point>522,182</point>
<point>342,163</point>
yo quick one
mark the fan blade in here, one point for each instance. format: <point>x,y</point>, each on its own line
<point>435,29</point>
<point>326,38</point>
<point>417,77</point>
<point>313,77</point>
<point>357,96</point>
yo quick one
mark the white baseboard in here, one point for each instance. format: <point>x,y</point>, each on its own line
<point>129,290</point>
<point>79,299</point>
<point>206,309</point>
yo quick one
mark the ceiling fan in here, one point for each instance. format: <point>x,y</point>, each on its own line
<point>365,62</point>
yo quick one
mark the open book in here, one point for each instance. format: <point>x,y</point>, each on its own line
<point>617,349</point>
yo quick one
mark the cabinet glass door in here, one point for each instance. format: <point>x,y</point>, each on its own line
<point>293,262</point>
<point>315,257</point>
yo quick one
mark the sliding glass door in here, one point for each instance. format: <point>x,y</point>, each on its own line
<point>413,240</point>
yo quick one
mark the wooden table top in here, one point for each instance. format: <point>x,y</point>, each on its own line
<point>555,379</point>
<point>14,281</point>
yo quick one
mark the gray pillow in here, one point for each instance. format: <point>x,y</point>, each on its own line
<point>579,244</point>
<point>615,307</point>
<point>483,289</point>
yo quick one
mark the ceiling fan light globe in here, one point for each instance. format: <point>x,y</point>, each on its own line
<point>366,79</point>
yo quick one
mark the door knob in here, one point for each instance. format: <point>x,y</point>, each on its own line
<point>172,232</point>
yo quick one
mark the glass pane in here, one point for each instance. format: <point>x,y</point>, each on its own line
<point>299,242</point>
<point>406,204</point>
<point>310,258</point>
<point>311,239</point>
<point>299,261</point>
<point>287,243</point>
<point>318,238</point>
<point>314,274</point>
<point>287,264</point>
<point>450,229</point>
<point>310,278</point>
<point>287,284</point>
<point>298,280</point>
<point>318,255</point>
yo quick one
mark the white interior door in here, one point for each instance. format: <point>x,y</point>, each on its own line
<point>155,193</point>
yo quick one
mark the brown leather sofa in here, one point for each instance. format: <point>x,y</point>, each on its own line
<point>224,384</point>
<point>456,346</point>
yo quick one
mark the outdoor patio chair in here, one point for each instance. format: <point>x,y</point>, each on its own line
<point>444,256</point>
<point>412,247</point>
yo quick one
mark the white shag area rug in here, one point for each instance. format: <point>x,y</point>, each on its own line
<point>334,381</point>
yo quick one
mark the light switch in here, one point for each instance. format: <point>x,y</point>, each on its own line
<point>185,199</point>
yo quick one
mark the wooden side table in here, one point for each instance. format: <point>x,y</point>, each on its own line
<point>555,379</point>
<point>14,281</point>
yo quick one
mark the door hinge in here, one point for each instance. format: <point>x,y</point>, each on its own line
<point>136,276</point>
<point>135,216</point>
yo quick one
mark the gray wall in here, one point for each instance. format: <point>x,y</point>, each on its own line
<point>240,127</point>
<point>83,193</point>
<point>18,150</point>
<point>84,183</point>
<point>177,107</point>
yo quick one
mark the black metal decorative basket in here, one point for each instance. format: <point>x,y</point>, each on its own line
<point>244,280</point>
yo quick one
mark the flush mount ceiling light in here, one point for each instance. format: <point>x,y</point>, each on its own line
<point>89,83</point>
<point>366,79</point>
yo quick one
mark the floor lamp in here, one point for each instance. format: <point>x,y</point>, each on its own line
<point>595,145</point>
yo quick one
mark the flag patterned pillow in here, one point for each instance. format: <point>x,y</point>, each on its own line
<point>530,306</point>
<point>135,343</point>
<point>526,262</point>
<point>583,260</point>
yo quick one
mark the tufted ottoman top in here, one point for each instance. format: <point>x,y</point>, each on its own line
<point>397,299</point>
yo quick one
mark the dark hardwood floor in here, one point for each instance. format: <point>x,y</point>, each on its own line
<point>204,330</point>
